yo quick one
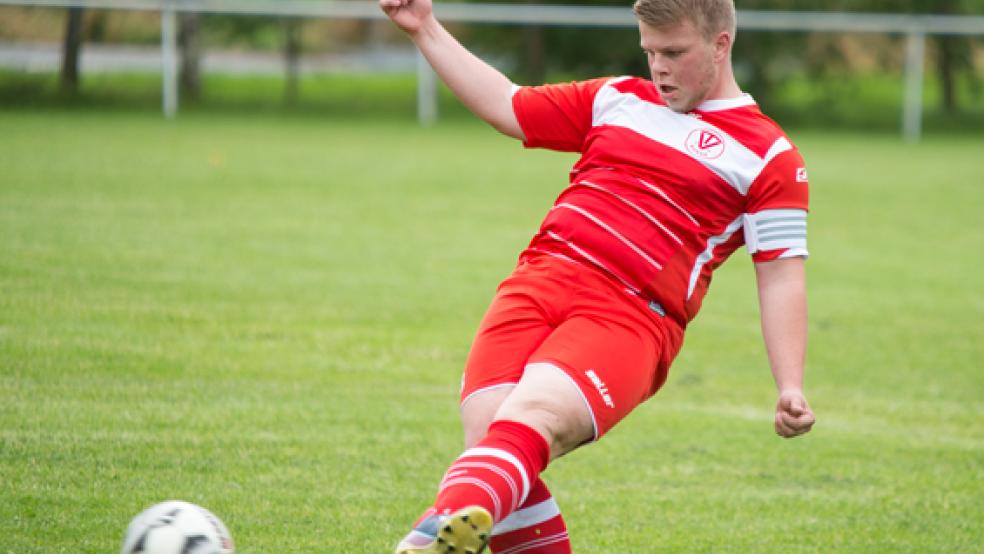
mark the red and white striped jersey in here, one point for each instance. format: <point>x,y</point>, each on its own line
<point>659,199</point>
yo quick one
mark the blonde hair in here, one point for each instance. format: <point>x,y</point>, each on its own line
<point>709,16</point>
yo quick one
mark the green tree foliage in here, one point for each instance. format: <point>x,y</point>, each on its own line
<point>254,32</point>
<point>763,60</point>
<point>574,52</point>
<point>953,55</point>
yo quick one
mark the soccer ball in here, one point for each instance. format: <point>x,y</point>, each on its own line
<point>176,527</point>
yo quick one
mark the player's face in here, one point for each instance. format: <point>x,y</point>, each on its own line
<point>683,64</point>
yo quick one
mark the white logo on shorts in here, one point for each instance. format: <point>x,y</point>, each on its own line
<point>602,388</point>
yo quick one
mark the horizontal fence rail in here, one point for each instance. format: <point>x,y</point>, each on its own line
<point>532,14</point>
<point>914,27</point>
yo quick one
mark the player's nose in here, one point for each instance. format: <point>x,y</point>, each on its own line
<point>658,66</point>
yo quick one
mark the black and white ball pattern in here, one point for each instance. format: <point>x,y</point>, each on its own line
<point>177,527</point>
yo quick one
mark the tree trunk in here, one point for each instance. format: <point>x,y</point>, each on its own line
<point>292,56</point>
<point>71,49</point>
<point>536,67</point>
<point>947,74</point>
<point>947,59</point>
<point>534,47</point>
<point>190,44</point>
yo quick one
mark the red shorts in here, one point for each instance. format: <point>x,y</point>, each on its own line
<point>553,311</point>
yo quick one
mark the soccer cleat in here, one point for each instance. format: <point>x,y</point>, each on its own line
<point>466,531</point>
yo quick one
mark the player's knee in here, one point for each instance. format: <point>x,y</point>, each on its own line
<point>557,423</point>
<point>475,431</point>
<point>478,411</point>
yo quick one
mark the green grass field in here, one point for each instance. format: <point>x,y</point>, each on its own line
<point>268,316</point>
<point>849,103</point>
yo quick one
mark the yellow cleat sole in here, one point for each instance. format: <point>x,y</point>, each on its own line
<point>466,531</point>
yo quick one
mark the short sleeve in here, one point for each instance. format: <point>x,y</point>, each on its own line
<point>557,116</point>
<point>776,209</point>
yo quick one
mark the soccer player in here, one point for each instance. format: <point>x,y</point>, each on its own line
<point>676,172</point>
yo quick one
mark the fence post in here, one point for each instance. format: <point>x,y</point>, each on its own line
<point>426,92</point>
<point>915,58</point>
<point>169,61</point>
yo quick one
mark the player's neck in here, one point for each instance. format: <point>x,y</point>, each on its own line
<point>726,87</point>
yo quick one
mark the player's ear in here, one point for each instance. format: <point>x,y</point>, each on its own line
<point>722,46</point>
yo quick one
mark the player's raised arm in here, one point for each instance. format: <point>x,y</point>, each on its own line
<point>782,301</point>
<point>481,87</point>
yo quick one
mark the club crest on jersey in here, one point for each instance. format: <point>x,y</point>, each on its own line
<point>705,144</point>
<point>801,176</point>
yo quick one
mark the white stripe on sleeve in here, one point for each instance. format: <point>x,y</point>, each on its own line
<point>776,230</point>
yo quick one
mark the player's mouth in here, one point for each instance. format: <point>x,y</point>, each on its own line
<point>667,90</point>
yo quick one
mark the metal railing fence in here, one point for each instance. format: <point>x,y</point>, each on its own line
<point>914,27</point>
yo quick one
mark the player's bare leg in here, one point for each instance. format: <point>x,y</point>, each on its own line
<point>537,525</point>
<point>543,417</point>
<point>547,400</point>
<point>537,522</point>
<point>478,412</point>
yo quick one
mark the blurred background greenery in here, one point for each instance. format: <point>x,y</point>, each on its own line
<point>843,80</point>
<point>224,307</point>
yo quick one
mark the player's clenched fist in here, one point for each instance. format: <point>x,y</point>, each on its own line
<point>793,414</point>
<point>408,15</point>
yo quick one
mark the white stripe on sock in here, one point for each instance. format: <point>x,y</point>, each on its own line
<point>503,474</point>
<point>496,502</point>
<point>550,539</point>
<point>506,456</point>
<point>528,517</point>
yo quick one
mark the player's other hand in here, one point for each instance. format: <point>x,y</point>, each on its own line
<point>409,15</point>
<point>793,414</point>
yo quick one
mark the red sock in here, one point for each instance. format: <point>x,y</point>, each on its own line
<point>536,527</point>
<point>498,473</point>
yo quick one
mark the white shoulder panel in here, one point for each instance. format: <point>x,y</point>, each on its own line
<point>701,141</point>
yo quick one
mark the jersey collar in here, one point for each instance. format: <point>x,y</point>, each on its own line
<point>726,103</point>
